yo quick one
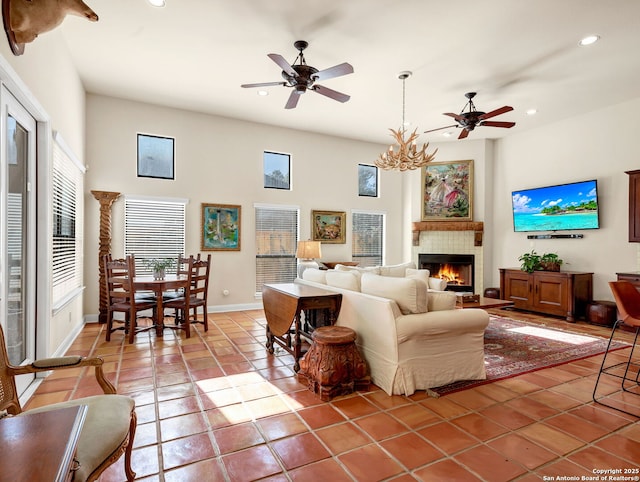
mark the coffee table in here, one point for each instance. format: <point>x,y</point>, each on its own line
<point>486,303</point>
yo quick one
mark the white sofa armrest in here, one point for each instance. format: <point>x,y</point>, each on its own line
<point>441,300</point>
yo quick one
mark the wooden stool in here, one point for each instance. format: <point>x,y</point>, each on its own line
<point>601,313</point>
<point>333,366</point>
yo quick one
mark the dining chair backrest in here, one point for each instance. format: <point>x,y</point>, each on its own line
<point>200,278</point>
<point>118,274</point>
<point>627,301</point>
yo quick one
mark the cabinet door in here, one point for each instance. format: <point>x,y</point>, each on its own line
<point>551,293</point>
<point>634,206</point>
<point>518,288</point>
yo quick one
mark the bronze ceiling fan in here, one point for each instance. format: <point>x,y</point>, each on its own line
<point>473,118</point>
<point>302,77</point>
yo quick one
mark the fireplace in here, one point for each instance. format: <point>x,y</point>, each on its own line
<point>457,269</point>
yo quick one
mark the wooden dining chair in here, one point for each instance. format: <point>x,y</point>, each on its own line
<point>121,297</point>
<point>195,295</point>
<point>110,422</point>
<point>627,299</point>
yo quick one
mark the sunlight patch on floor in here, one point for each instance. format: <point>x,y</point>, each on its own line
<point>572,338</point>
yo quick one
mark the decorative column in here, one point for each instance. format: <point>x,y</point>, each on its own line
<point>106,199</point>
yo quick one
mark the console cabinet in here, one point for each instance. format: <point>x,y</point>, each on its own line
<point>561,293</point>
<point>634,206</point>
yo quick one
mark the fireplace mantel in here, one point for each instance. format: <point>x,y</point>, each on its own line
<point>477,228</point>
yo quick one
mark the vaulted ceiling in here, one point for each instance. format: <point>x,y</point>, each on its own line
<point>195,54</point>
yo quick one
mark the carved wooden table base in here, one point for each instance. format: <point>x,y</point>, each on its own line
<point>333,366</point>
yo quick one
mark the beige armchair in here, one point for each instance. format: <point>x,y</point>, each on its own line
<point>110,422</point>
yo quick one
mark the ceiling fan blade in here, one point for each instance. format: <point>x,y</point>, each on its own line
<point>332,94</point>
<point>496,112</point>
<point>463,134</point>
<point>440,128</point>
<point>283,64</point>
<point>263,84</point>
<point>457,117</point>
<point>497,124</point>
<point>335,71</point>
<point>293,100</point>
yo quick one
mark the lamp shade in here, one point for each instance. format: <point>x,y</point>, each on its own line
<point>308,250</point>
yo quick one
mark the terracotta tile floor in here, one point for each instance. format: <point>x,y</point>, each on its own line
<point>217,406</point>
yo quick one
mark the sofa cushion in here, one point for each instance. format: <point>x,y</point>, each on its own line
<point>396,270</point>
<point>343,279</point>
<point>315,275</point>
<point>421,274</point>
<point>441,300</point>
<point>409,293</point>
<point>358,269</point>
<point>437,284</point>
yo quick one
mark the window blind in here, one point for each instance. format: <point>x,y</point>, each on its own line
<point>276,243</point>
<point>154,228</point>
<point>367,237</point>
<point>67,208</point>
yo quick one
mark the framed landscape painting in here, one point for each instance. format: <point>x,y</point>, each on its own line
<point>447,191</point>
<point>221,227</point>
<point>328,226</point>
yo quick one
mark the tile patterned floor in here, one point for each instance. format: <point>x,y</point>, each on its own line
<point>217,406</point>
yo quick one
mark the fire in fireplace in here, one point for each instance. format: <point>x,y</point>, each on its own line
<point>457,269</point>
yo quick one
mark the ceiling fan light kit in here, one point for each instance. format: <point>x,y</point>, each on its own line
<point>407,156</point>
<point>302,77</point>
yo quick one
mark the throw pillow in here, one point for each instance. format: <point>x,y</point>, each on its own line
<point>421,274</point>
<point>396,270</point>
<point>358,269</point>
<point>315,275</point>
<point>343,279</point>
<point>437,284</point>
<point>410,294</point>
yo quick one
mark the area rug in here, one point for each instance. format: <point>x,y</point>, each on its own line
<point>513,347</point>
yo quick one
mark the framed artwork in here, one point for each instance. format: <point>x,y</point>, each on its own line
<point>220,227</point>
<point>277,170</point>
<point>447,191</point>
<point>156,156</point>
<point>367,180</point>
<point>328,226</point>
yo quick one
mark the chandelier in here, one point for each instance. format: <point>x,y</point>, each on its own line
<point>407,156</point>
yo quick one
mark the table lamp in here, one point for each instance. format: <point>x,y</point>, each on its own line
<point>307,252</point>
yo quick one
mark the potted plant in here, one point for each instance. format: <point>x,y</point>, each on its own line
<point>159,266</point>
<point>530,261</point>
<point>550,262</point>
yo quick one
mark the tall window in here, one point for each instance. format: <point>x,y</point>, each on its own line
<point>154,228</point>
<point>67,185</point>
<point>367,237</point>
<point>276,242</point>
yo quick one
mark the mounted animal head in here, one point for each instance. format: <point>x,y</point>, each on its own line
<point>24,20</point>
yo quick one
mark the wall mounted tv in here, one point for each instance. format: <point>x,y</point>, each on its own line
<point>556,208</point>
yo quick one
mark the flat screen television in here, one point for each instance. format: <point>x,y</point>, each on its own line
<point>556,208</point>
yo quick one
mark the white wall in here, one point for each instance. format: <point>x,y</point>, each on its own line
<point>219,160</point>
<point>601,145</point>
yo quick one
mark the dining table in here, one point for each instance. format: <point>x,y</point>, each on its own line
<point>159,286</point>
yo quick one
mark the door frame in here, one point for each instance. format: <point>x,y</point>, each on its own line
<point>43,222</point>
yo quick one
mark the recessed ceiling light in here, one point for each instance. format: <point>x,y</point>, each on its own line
<point>157,3</point>
<point>532,112</point>
<point>447,134</point>
<point>590,39</point>
<point>263,92</point>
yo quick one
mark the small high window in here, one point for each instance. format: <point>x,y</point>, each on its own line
<point>277,170</point>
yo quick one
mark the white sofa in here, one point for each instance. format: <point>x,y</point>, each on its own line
<point>412,338</point>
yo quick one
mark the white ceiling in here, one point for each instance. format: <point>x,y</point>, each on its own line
<point>194,54</point>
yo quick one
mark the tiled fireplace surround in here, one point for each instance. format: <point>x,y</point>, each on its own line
<point>452,242</point>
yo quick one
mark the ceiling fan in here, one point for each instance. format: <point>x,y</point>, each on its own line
<point>302,77</point>
<point>474,118</point>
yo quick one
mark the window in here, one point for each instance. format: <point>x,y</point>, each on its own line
<point>67,186</point>
<point>154,228</point>
<point>366,239</point>
<point>276,242</point>
<point>367,180</point>
<point>277,168</point>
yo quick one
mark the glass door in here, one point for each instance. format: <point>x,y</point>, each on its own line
<point>17,232</point>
